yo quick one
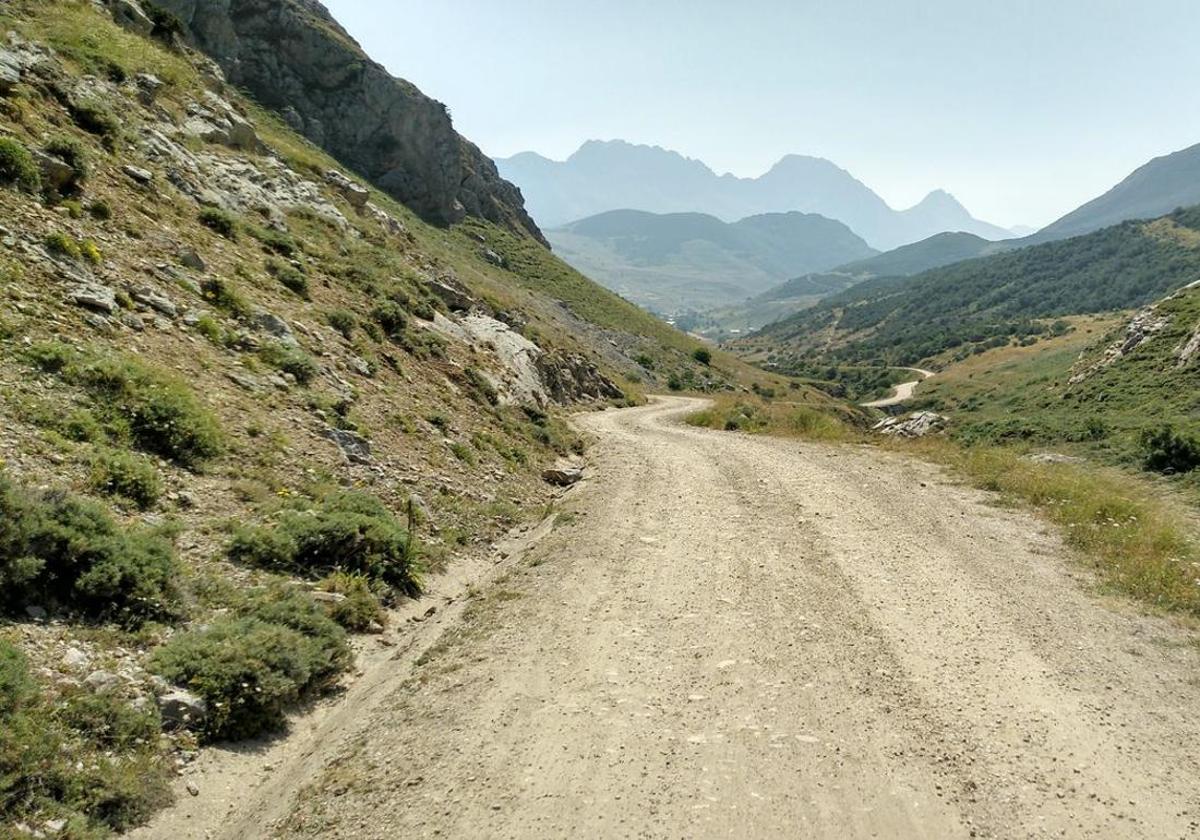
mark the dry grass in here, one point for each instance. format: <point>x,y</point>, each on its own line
<point>810,420</point>
<point>1139,538</point>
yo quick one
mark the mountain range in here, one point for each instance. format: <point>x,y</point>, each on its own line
<point>616,175</point>
<point>683,261</point>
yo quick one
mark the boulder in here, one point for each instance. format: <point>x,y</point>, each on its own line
<point>494,258</point>
<point>189,258</point>
<point>562,476</point>
<point>10,71</point>
<point>355,194</point>
<point>57,175</point>
<point>76,659</point>
<point>272,324</point>
<point>148,86</point>
<point>155,300</point>
<point>136,173</point>
<point>180,709</point>
<point>452,293</point>
<point>95,297</point>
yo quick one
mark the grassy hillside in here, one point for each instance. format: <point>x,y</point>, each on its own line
<point>934,252</point>
<point>228,381</point>
<point>971,306</point>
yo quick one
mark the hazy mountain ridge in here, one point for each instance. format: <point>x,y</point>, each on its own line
<point>682,261</point>
<point>613,175</point>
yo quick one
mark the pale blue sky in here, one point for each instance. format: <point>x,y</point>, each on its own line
<point>1021,108</point>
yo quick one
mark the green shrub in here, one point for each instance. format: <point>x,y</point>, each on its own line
<point>644,361</point>
<point>166,25</point>
<point>127,475</point>
<point>290,359</point>
<point>90,251</point>
<point>17,167</point>
<point>95,117</point>
<point>224,295</point>
<point>73,153</point>
<point>291,277</point>
<point>674,382</point>
<point>391,316</point>
<point>342,321</point>
<point>361,607</point>
<point>220,221</point>
<point>348,531</point>
<point>81,425</point>
<point>93,761</point>
<point>275,240</point>
<point>163,414</point>
<point>56,548</point>
<point>702,355</point>
<point>62,245</point>
<point>100,210</point>
<point>211,329</point>
<point>1166,451</point>
<point>251,667</point>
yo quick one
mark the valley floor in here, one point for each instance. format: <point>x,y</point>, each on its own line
<point>736,636</point>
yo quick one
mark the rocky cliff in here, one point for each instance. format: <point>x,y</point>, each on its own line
<point>295,58</point>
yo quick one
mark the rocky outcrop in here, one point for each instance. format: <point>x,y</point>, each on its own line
<point>918,424</point>
<point>1141,328</point>
<point>294,57</point>
<point>569,377</point>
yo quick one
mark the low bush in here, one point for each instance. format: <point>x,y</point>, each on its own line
<point>220,222</point>
<point>100,210</point>
<point>60,244</point>
<point>275,241</point>
<point>126,475</point>
<point>391,317</point>
<point>347,531</point>
<point>91,760</point>
<point>224,295</point>
<point>58,549</point>
<point>361,607</point>
<point>702,355</point>
<point>91,252</point>
<point>342,321</point>
<point>95,117</point>
<point>290,359</point>
<point>17,167</point>
<point>1166,451</point>
<point>251,667</point>
<point>158,411</point>
<point>292,278</point>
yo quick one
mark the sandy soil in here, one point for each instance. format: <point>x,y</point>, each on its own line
<point>734,636</point>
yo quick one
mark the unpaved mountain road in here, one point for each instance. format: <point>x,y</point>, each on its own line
<point>903,392</point>
<point>734,636</point>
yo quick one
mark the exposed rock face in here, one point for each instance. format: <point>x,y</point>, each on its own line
<point>570,378</point>
<point>1144,325</point>
<point>918,424</point>
<point>294,57</point>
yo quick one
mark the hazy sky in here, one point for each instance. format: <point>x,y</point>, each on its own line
<point>1021,108</point>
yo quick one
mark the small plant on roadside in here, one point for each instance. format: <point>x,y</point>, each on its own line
<point>347,531</point>
<point>1166,451</point>
<point>359,608</point>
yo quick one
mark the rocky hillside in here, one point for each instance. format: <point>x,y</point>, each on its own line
<point>293,57</point>
<point>249,404</point>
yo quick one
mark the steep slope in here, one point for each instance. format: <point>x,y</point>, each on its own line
<point>685,261</point>
<point>248,407</point>
<point>614,175</point>
<point>969,306</point>
<point>293,57</point>
<point>1152,190</point>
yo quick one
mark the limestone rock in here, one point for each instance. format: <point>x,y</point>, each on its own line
<point>102,682</point>
<point>57,174</point>
<point>918,424</point>
<point>570,377</point>
<point>296,59</point>
<point>94,296</point>
<point>355,194</point>
<point>562,476</point>
<point>181,709</point>
<point>129,15</point>
<point>136,173</point>
<point>10,71</point>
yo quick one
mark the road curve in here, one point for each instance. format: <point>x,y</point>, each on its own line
<point>903,392</point>
<point>735,636</point>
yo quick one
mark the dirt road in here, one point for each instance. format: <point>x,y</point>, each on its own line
<point>732,636</point>
<point>903,392</point>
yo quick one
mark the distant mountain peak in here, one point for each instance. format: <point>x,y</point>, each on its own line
<point>605,175</point>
